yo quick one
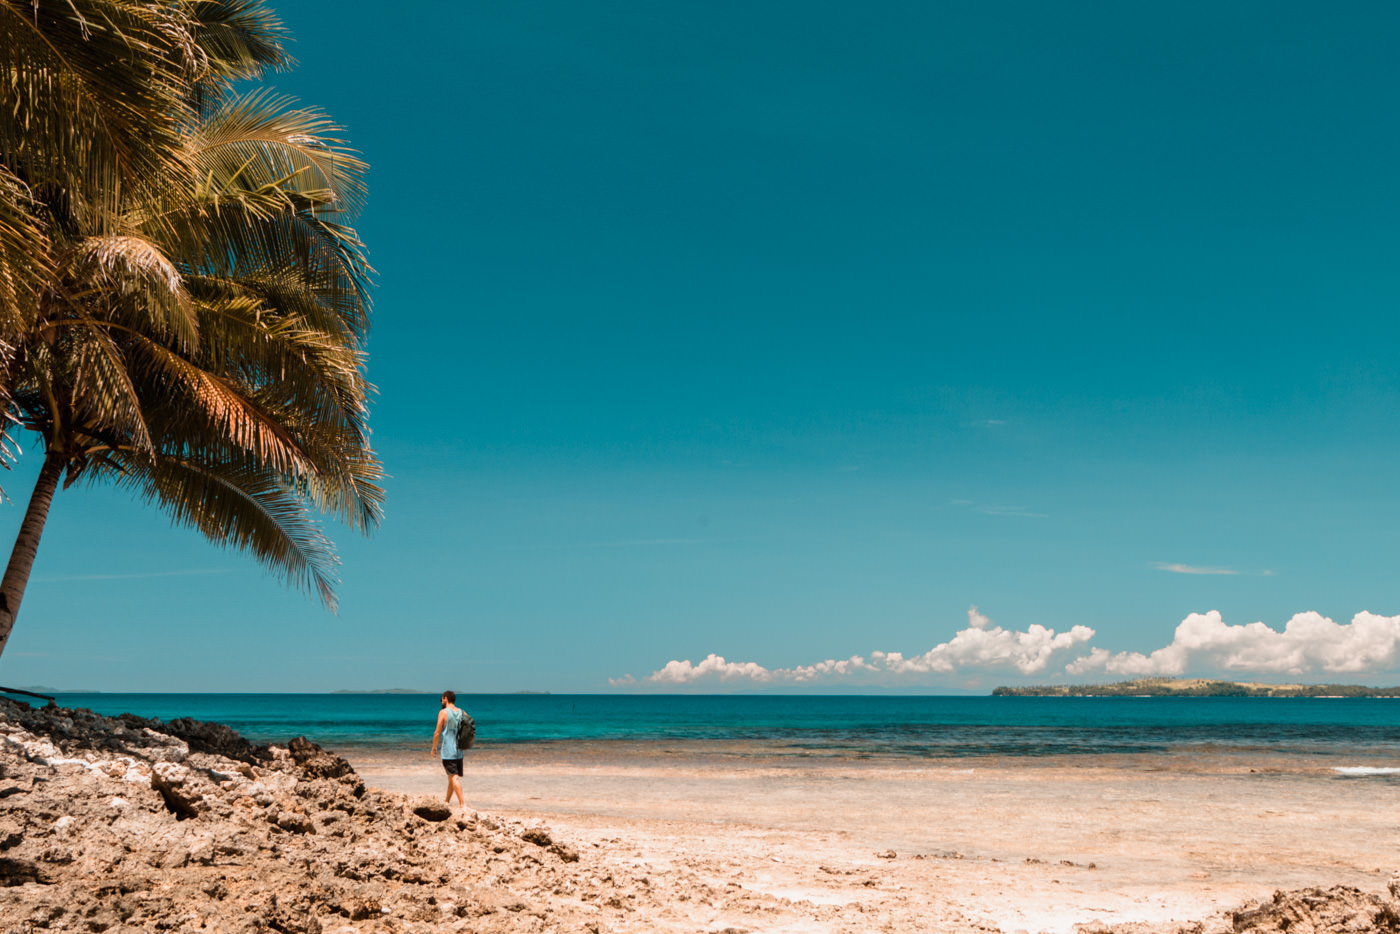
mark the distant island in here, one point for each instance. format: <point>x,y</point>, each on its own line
<point>413,691</point>
<point>1196,687</point>
<point>385,691</point>
<point>45,689</point>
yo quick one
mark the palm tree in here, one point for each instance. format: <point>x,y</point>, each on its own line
<point>188,320</point>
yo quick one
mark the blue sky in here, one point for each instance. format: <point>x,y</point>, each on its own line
<point>788,332</point>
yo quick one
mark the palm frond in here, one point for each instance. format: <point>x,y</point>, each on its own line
<point>236,506</point>
<point>210,407</point>
<point>295,249</point>
<point>93,93</point>
<point>98,391</point>
<point>240,39</point>
<point>261,138</point>
<point>26,262</point>
<point>137,284</point>
<point>280,356</point>
<point>183,304</point>
<point>77,382</point>
<point>347,483</point>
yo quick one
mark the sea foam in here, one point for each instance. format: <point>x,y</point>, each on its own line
<point>1364,770</point>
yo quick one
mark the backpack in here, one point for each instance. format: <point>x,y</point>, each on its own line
<point>466,732</point>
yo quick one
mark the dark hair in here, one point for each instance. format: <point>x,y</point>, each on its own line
<point>450,696</point>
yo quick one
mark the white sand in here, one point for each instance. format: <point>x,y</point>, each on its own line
<point>1034,844</point>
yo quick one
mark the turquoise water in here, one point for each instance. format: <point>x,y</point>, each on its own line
<point>846,726</point>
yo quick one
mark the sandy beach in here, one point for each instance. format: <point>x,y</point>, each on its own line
<point>126,824</point>
<point>1027,844</point>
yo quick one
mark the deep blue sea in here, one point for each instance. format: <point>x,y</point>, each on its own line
<point>920,727</point>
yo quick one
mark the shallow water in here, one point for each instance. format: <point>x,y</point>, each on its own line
<point>918,727</point>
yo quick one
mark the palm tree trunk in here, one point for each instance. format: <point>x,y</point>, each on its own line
<point>27,544</point>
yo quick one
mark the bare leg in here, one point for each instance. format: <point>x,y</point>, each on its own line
<point>454,785</point>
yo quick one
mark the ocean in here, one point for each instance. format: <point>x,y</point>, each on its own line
<point>1359,734</point>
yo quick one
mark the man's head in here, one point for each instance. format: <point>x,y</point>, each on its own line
<point>449,697</point>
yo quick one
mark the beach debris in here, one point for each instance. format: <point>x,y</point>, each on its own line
<point>887,854</point>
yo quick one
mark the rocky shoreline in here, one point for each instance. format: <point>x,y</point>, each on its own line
<point>126,824</point>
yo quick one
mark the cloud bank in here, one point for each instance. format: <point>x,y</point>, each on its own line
<point>982,646</point>
<point>1309,644</point>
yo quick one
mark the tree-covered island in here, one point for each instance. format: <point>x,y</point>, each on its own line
<point>1195,687</point>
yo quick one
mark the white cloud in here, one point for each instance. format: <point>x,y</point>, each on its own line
<point>1096,660</point>
<point>985,646</point>
<point>982,646</point>
<point>1309,643</point>
<point>683,672</point>
<point>1189,569</point>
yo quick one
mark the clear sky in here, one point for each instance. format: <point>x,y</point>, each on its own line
<point>787,332</point>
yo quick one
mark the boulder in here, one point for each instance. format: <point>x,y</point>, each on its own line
<point>315,762</point>
<point>1339,908</point>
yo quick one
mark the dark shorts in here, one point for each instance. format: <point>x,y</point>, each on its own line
<point>452,766</point>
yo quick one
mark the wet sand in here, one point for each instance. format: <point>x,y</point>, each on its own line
<point>1033,844</point>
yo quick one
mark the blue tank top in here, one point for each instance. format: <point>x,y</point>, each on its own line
<point>449,734</point>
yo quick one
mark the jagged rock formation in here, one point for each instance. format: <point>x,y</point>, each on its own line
<point>130,824</point>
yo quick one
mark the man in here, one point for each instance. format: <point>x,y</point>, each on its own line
<point>446,733</point>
